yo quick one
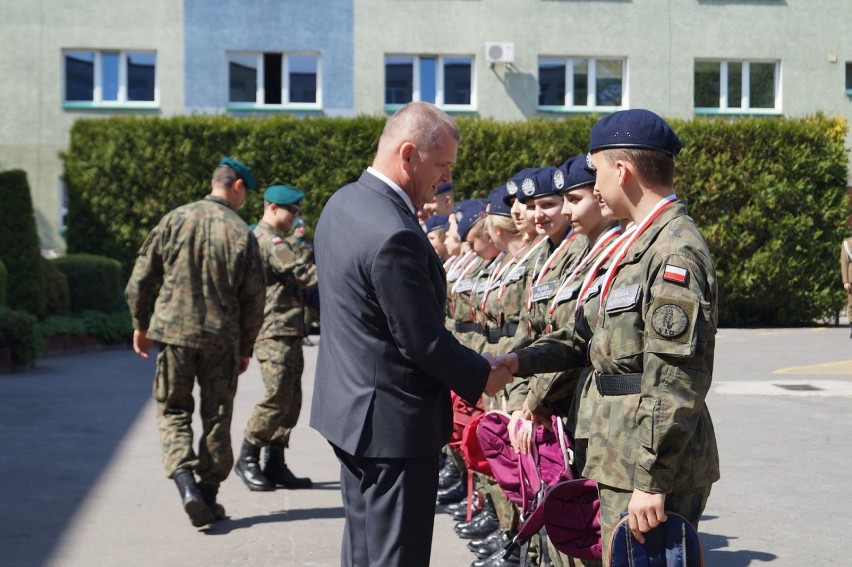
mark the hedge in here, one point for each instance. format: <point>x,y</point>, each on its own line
<point>57,294</point>
<point>768,193</point>
<point>19,332</point>
<point>4,283</point>
<point>94,282</point>
<point>19,244</point>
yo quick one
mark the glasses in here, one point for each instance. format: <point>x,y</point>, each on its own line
<point>293,209</point>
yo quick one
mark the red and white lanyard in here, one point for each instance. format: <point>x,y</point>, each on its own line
<point>495,276</point>
<point>605,239</point>
<point>552,258</point>
<point>646,222</point>
<point>519,264</point>
<point>464,267</point>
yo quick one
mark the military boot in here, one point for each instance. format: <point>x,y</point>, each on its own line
<point>209,493</point>
<point>248,468</point>
<point>193,502</point>
<point>279,473</point>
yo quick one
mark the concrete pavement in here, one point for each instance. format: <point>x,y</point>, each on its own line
<point>81,482</point>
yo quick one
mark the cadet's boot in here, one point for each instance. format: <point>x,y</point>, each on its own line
<point>279,473</point>
<point>248,468</point>
<point>209,493</point>
<point>193,502</point>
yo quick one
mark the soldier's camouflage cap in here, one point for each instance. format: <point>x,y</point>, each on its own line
<point>241,170</point>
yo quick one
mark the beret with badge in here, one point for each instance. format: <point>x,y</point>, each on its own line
<point>241,170</point>
<point>283,195</point>
<point>497,204</point>
<point>538,184</point>
<point>443,188</point>
<point>572,175</point>
<point>634,128</point>
<point>467,213</point>
<point>435,222</point>
<point>514,184</point>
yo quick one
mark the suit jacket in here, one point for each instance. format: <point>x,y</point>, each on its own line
<point>386,362</point>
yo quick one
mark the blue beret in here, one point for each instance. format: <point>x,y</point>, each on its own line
<point>572,175</point>
<point>283,195</point>
<point>538,184</point>
<point>435,222</point>
<point>497,202</point>
<point>241,170</point>
<point>443,188</point>
<point>467,213</point>
<point>514,184</point>
<point>634,128</point>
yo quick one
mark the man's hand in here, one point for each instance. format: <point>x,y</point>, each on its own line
<point>141,343</point>
<point>498,379</point>
<point>244,363</point>
<point>646,511</point>
<point>507,361</point>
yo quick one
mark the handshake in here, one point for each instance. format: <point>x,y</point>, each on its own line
<point>503,367</point>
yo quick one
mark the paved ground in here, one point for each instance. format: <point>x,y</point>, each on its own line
<point>81,482</point>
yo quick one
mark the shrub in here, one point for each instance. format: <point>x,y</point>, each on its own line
<point>19,245</point>
<point>56,325</point>
<point>94,282</point>
<point>109,328</point>
<point>4,283</point>
<point>57,297</point>
<point>19,331</point>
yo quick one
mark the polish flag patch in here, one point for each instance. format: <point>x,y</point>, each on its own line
<point>276,240</point>
<point>675,274</point>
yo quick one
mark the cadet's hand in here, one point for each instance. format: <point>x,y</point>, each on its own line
<point>646,511</point>
<point>244,362</point>
<point>507,361</point>
<point>498,379</point>
<point>141,343</point>
<point>848,287</point>
<point>520,432</point>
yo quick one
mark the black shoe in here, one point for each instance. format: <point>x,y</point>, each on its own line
<point>467,523</point>
<point>248,469</point>
<point>475,543</point>
<point>193,502</point>
<point>462,505</point>
<point>209,492</point>
<point>279,474</point>
<point>308,342</point>
<point>481,528</point>
<point>497,560</point>
<point>490,548</point>
<point>454,493</point>
<point>448,475</point>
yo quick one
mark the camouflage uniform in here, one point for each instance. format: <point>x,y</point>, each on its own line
<point>278,349</point>
<point>462,313</point>
<point>846,271</point>
<point>206,315</point>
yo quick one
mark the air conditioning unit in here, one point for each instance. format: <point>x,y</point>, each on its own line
<point>499,52</point>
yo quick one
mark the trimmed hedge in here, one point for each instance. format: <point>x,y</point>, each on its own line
<point>57,295</point>
<point>19,331</point>
<point>19,245</point>
<point>768,193</point>
<point>94,282</point>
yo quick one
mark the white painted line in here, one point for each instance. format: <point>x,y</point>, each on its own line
<point>775,387</point>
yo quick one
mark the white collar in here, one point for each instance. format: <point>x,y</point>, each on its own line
<point>395,187</point>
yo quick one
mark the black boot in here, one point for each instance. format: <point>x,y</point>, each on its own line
<point>448,475</point>
<point>193,502</point>
<point>279,473</point>
<point>209,493</point>
<point>248,468</point>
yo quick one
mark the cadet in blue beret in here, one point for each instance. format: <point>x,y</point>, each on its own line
<point>289,272</point>
<point>443,201</point>
<point>436,231</point>
<point>518,209</point>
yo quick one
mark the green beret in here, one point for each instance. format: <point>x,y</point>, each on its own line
<point>283,195</point>
<point>241,170</point>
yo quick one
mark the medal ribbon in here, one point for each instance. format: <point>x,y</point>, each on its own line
<point>518,264</point>
<point>467,266</point>
<point>568,238</point>
<point>646,222</point>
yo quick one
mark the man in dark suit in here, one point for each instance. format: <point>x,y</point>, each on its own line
<point>386,362</point>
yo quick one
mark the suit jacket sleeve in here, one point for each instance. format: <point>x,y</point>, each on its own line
<point>406,292</point>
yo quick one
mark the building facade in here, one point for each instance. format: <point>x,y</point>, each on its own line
<point>501,59</point>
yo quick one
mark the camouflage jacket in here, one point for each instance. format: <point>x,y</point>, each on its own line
<point>288,273</point>
<point>207,266</point>
<point>461,301</point>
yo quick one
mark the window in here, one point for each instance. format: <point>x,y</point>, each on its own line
<point>746,87</point>
<point>446,81</point>
<point>274,80</point>
<point>576,83</point>
<point>849,78</point>
<point>110,78</point>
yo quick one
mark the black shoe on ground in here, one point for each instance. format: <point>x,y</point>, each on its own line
<point>193,502</point>
<point>209,492</point>
<point>248,469</point>
<point>454,493</point>
<point>448,475</point>
<point>475,543</point>
<point>489,548</point>
<point>486,523</point>
<point>497,560</point>
<point>279,474</point>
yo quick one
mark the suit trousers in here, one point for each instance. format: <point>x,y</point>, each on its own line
<point>389,506</point>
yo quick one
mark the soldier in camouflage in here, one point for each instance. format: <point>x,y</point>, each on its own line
<point>205,317</point>
<point>288,273</point>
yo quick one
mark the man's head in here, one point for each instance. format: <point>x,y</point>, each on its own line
<point>417,149</point>
<point>436,228</point>
<point>443,201</point>
<point>231,180</point>
<point>281,205</point>
<point>299,228</point>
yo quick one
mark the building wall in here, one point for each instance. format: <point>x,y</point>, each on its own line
<point>212,29</point>
<point>35,124</point>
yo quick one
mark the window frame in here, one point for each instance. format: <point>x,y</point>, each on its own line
<point>440,62</point>
<point>122,102</point>
<point>260,92</point>
<point>745,108</point>
<point>591,95</point>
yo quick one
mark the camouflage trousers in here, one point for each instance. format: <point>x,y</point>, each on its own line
<point>281,365</point>
<point>216,371</point>
<point>690,504</point>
